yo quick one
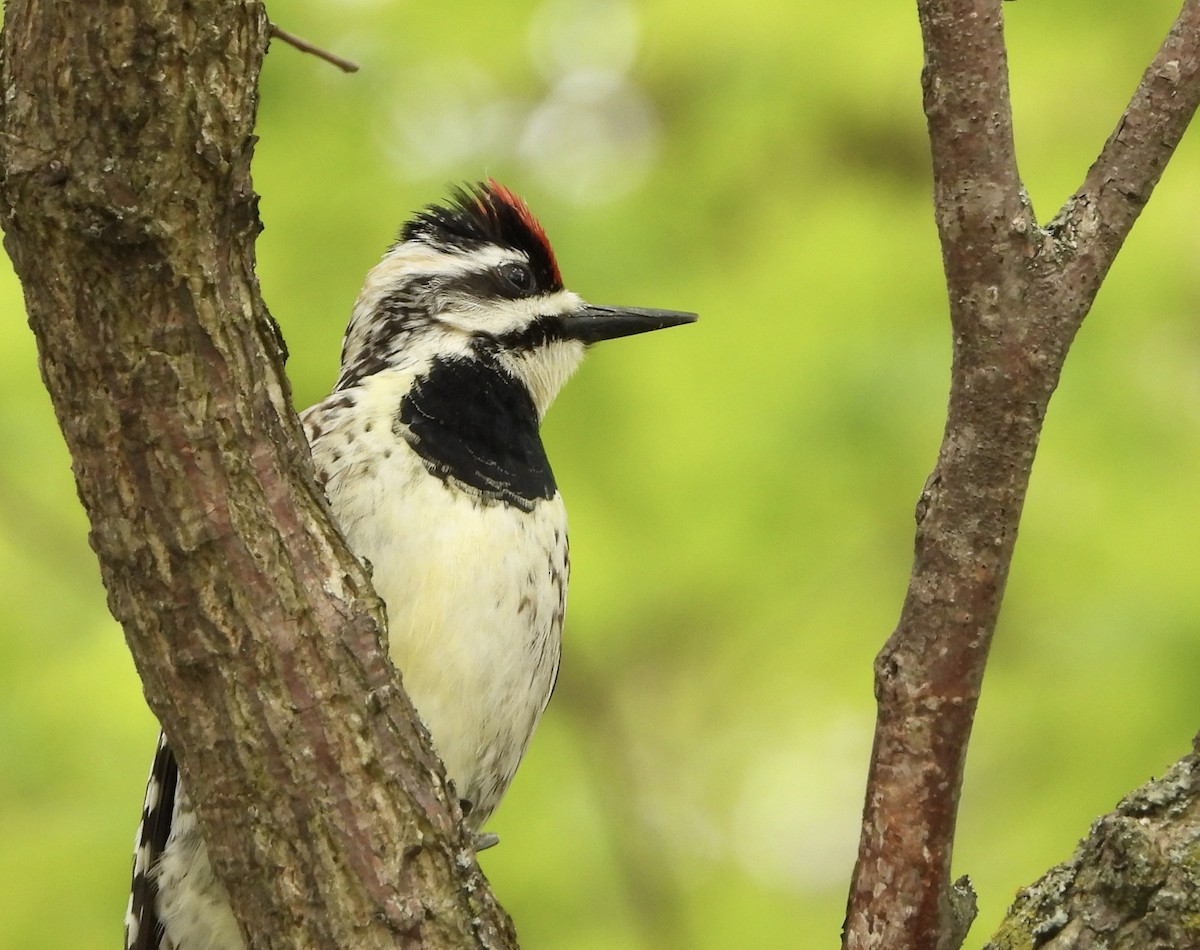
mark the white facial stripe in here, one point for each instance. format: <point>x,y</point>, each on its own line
<point>417,259</point>
<point>498,317</point>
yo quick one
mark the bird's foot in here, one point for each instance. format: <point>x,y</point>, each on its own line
<point>485,840</point>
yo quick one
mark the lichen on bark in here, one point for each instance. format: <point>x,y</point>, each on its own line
<point>1132,884</point>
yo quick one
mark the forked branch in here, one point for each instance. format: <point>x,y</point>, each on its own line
<point>1017,295</point>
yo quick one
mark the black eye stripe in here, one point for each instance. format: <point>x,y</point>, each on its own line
<point>498,283</point>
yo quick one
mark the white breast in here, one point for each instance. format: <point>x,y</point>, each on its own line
<point>475,591</point>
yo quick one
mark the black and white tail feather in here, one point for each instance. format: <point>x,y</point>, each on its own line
<point>143,930</point>
<point>429,452</point>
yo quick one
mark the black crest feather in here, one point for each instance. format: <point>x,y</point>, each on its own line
<point>487,213</point>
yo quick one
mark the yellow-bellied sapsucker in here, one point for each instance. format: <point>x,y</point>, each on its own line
<point>429,452</point>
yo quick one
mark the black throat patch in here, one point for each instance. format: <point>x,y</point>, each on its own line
<point>476,426</point>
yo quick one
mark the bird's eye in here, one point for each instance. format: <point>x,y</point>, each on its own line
<point>518,276</point>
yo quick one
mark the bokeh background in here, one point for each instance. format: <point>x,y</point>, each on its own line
<point>741,491</point>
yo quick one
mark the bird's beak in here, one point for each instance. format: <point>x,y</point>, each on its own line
<point>591,324</point>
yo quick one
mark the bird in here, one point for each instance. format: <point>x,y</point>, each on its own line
<point>429,451</point>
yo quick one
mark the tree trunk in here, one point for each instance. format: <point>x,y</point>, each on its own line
<point>126,201</point>
<point>1133,883</point>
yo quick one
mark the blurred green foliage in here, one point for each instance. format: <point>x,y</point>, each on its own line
<point>741,491</point>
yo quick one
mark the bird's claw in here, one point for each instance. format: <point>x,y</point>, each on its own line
<point>485,840</point>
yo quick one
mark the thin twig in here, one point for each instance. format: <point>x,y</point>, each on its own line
<point>305,46</point>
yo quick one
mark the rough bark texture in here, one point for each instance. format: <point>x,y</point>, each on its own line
<point>1018,293</point>
<point>1133,883</point>
<point>128,212</point>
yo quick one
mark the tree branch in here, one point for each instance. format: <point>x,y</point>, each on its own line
<point>981,215</point>
<point>1101,213</point>
<point>125,146</point>
<point>1017,295</point>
